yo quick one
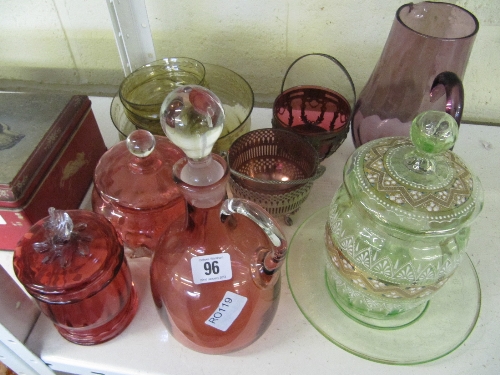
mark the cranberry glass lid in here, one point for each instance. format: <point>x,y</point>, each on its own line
<point>67,252</point>
<point>137,173</point>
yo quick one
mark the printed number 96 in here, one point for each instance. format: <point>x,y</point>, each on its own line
<point>211,267</point>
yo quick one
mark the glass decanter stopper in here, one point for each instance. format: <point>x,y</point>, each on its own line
<point>134,190</point>
<point>215,276</point>
<point>73,264</point>
<point>193,119</point>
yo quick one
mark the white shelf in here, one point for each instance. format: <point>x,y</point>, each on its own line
<point>291,345</point>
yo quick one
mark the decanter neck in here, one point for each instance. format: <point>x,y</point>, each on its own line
<point>202,182</point>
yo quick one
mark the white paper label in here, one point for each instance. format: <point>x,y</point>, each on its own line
<point>228,310</point>
<point>211,268</point>
<point>2,220</point>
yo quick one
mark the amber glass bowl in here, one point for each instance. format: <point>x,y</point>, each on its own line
<point>143,91</point>
<point>233,90</point>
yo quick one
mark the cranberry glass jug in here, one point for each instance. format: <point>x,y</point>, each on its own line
<point>420,69</point>
<point>215,275</point>
<point>73,264</point>
<point>134,190</point>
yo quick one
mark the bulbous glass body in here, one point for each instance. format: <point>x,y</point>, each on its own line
<point>399,225</point>
<point>215,276</point>
<point>380,271</point>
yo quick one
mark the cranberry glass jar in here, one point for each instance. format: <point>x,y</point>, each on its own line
<point>135,191</point>
<point>73,264</point>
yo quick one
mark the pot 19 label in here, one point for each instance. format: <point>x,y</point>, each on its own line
<point>211,268</point>
<point>228,310</point>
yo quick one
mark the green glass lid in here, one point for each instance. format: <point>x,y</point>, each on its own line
<point>416,183</point>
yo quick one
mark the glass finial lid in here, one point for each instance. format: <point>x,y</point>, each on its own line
<point>141,143</point>
<point>416,183</point>
<point>134,189</point>
<point>142,160</point>
<point>423,165</point>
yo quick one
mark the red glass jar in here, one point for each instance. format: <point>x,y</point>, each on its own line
<point>73,264</point>
<point>135,191</point>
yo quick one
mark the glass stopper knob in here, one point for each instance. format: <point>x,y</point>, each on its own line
<point>434,132</point>
<point>141,143</point>
<point>192,117</point>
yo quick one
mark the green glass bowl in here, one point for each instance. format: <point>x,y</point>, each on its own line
<point>234,91</point>
<point>143,91</point>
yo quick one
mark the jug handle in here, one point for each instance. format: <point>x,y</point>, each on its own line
<point>454,91</point>
<point>268,261</point>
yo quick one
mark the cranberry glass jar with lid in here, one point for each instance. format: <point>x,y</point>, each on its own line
<point>134,190</point>
<point>73,264</point>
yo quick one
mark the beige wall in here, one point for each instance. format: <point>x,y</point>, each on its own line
<point>70,45</point>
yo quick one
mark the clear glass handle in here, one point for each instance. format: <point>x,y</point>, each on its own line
<point>267,261</point>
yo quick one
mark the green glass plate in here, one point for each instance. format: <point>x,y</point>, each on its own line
<point>444,325</point>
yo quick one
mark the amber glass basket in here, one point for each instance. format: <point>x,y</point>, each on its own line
<point>275,169</point>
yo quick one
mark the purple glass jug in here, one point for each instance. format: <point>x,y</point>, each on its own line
<point>421,68</point>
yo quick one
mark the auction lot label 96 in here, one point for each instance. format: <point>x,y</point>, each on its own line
<point>211,268</point>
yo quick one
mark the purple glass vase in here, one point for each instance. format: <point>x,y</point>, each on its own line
<point>421,68</point>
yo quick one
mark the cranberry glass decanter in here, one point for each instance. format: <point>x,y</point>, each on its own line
<point>134,190</point>
<point>215,275</point>
<point>73,264</point>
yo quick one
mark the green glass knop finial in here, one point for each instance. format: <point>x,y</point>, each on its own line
<point>434,132</point>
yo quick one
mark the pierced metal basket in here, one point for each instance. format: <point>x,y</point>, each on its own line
<point>274,168</point>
